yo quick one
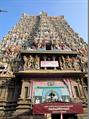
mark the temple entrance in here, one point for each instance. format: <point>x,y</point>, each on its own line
<point>65,116</point>
<point>56,116</point>
<point>69,116</point>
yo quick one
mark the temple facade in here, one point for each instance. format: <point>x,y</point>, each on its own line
<point>43,70</point>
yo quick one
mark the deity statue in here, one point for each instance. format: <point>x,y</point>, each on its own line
<point>84,63</point>
<point>76,63</point>
<point>37,62</point>
<point>68,63</point>
<point>9,65</point>
<point>25,62</point>
<point>30,62</point>
<point>63,62</point>
<point>6,67</point>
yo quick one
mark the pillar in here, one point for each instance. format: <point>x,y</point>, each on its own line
<point>25,84</point>
<point>3,94</point>
<point>79,88</point>
<point>71,89</point>
<point>6,93</point>
<point>83,89</point>
<point>15,92</point>
<point>48,116</point>
<point>45,60</point>
<point>54,60</point>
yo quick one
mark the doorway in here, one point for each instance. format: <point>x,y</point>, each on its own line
<point>55,116</point>
<point>69,116</point>
<point>65,116</point>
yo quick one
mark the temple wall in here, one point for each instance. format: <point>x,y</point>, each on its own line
<point>34,86</point>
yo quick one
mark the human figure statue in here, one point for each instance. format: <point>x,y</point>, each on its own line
<point>30,62</point>
<point>37,101</point>
<point>37,62</point>
<point>68,63</point>
<point>76,64</point>
<point>1,65</point>
<point>25,62</point>
<point>84,63</point>
<point>5,63</point>
<point>7,67</point>
<point>63,62</point>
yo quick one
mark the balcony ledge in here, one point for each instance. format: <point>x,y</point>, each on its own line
<point>50,73</point>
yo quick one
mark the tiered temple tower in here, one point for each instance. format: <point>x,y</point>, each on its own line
<point>43,62</point>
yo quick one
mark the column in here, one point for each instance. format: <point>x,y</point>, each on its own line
<point>39,61</point>
<point>54,60</point>
<point>49,116</point>
<point>71,89</point>
<point>79,89</point>
<point>45,60</point>
<point>61,116</point>
<point>6,92</point>
<point>83,89</point>
<point>15,92</point>
<point>22,90</point>
<point>25,84</point>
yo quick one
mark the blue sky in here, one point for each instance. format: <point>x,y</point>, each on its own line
<point>74,11</point>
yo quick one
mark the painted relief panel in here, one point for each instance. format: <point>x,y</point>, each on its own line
<point>50,91</point>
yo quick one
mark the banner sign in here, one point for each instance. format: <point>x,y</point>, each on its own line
<point>49,64</point>
<point>59,107</point>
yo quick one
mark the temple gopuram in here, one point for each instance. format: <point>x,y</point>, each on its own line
<point>43,70</point>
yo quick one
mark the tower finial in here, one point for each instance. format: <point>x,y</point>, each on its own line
<point>43,13</point>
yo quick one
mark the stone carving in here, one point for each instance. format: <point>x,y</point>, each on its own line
<point>63,63</point>
<point>5,67</point>
<point>76,63</point>
<point>37,62</point>
<point>68,63</point>
<point>39,30</point>
<point>30,62</point>
<point>84,64</point>
<point>25,62</point>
